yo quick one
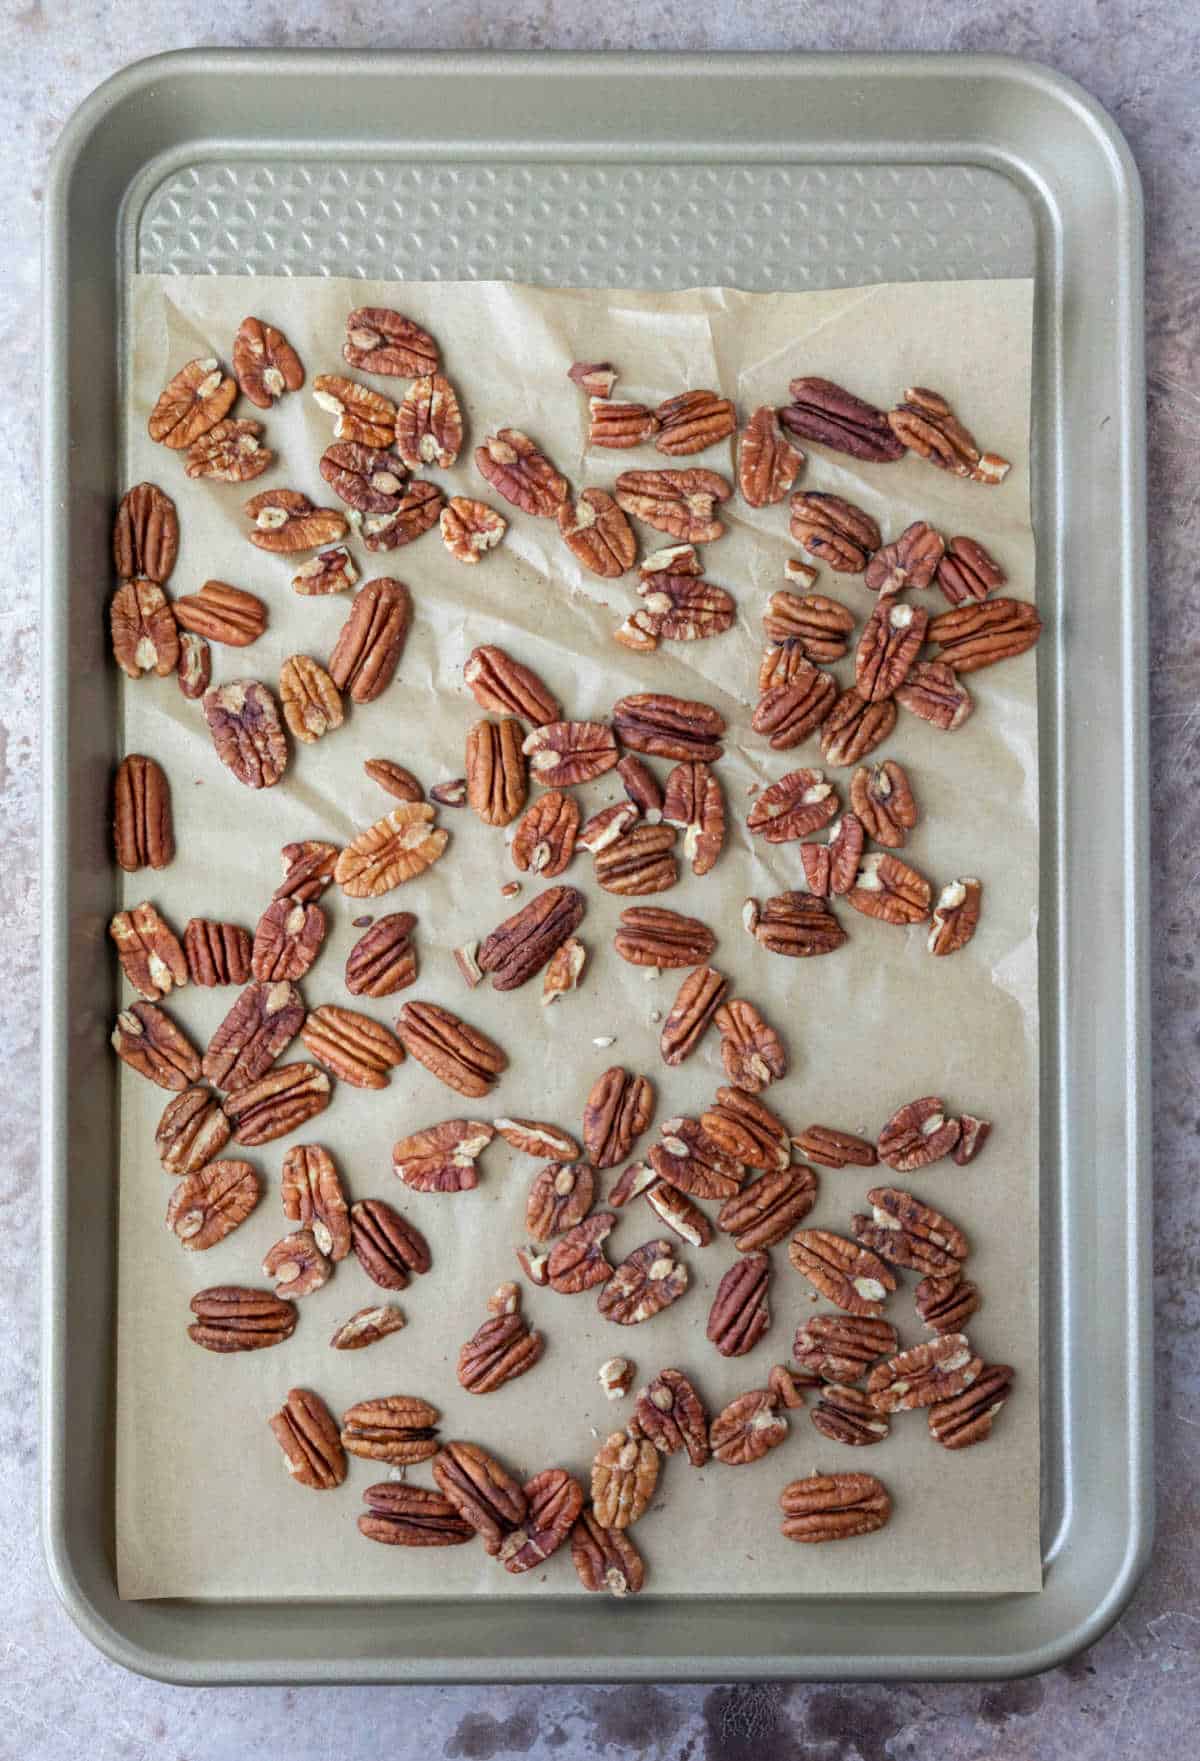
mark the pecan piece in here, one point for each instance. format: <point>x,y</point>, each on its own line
<point>265,363</point>
<point>562,974</point>
<point>192,1131</point>
<point>533,1138</point>
<point>847,1415</point>
<point>642,787</point>
<point>495,771</point>
<point>398,781</point>
<point>264,1019</point>
<point>652,936</point>
<point>243,720</point>
<point>210,1202</point>
<point>844,853</point>
<point>614,423</point>
<point>639,862</point>
<point>312,704</point>
<point>699,997</point>
<point>747,1428</point>
<point>379,340</point>
<point>639,1177</point>
<point>926,423</point>
<point>297,1265</point>
<point>834,530</point>
<point>768,462</point>
<point>442,1158</point>
<point>955,916</point>
<point>677,609</point>
<point>577,1261</point>
<point>148,1041</point>
<point>692,422</point>
<point>682,503</point>
<point>973,1135</point>
<point>149,951</point>
<point>146,534</point>
<point>383,960</point>
<point>688,1158</point>
<point>693,801</point>
<point>846,1274</point>
<point>946,1304</point>
<point>740,1313</point>
<point>287,939</point>
<point>966,1418</point>
<point>458,1055</point>
<point>217,953</point>
<point>278,1103</point>
<point>398,847</point>
<point>889,644</point>
<point>313,1197</point>
<point>751,1051</point>
<point>143,832</point>
<point>794,924</point>
<point>917,1134</point>
<point>499,1351</point>
<point>195,665</point>
<point>833,1507</point>
<point>470,528</point>
<point>882,798</point>
<point>890,890</point>
<point>559,1198</point>
<point>191,403</point>
<point>788,712</point>
<point>503,685</point>
<point>563,753</point>
<point>910,1234</point>
<point>924,1374</point>
<point>855,727</point>
<point>968,572</point>
<point>606,1559</point>
<point>366,1326</point>
<point>232,1318</point>
<point>286,521</point>
<point>429,425</point>
<point>305,1430</point>
<point>521,473</point>
<point>222,613</point>
<point>399,1428</point>
<point>333,571</point>
<point>360,414</point>
<point>419,508</point>
<point>670,1413</point>
<point>604,829</point>
<point>624,1476</point>
<point>389,1249</point>
<point>307,870</point>
<point>597,378</point>
<point>669,727</point>
<point>598,534</point>
<point>145,638</point>
<point>647,1281</point>
<point>555,1500</point>
<point>799,804</point>
<point>356,1048</point>
<point>825,412</point>
<point>766,1211</point>
<point>521,945</point>
<point>835,1149</point>
<point>818,626</point>
<point>979,634</point>
<point>616,1112</point>
<point>482,1493</point>
<point>909,561</point>
<point>366,478</point>
<point>933,692</point>
<point>842,1348</point>
<point>746,1129</point>
<point>371,641</point>
<point>232,452</point>
<point>676,1210</point>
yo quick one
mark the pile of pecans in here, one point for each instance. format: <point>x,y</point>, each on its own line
<point>737,1154</point>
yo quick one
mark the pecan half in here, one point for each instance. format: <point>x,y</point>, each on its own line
<point>693,801</point>
<point>195,665</point>
<point>286,521</point>
<point>264,1019</point>
<point>429,424</point>
<point>533,1138</point>
<point>555,1500</point>
<point>145,638</point>
<point>396,779</point>
<point>312,1196</point>
<point>909,561</point>
<point>973,1135</point>
<point>366,1326</point>
<point>419,508</point>
<point>148,1041</point>
<point>768,462</point>
<point>794,924</point>
<point>597,378</point>
<point>836,531</point>
<point>678,608</point>
<point>442,1158</point>
<point>639,862</point>
<point>740,1313</point>
<point>562,974</point>
<point>562,753</point>
<point>676,1210</point>
<point>356,1048</point>
<point>845,1273</point>
<point>933,692</point>
<point>605,1559</point>
<point>361,415</point>
<point>968,572</point>
<point>521,945</point>
<point>470,528</point>
<point>890,890</point>
<point>766,1211</point>
<point>192,1131</point>
<point>683,503</point>
<point>191,403</point>
<point>671,1415</point>
<point>833,1507</point>
<point>222,613</point>
<point>882,798</point>
<point>751,1051</point>
<point>305,1430</point>
<point>366,478</point>
<point>232,1318</point>
<point>146,534</point>
<point>746,1129</point>
<point>604,829</point>
<point>399,1428</point>
<point>312,705</point>
<point>647,1281</point>
<point>265,363</point>
<point>232,452</point>
<point>917,1134</point>
<point>287,940</point>
<point>855,727</point>
<point>817,627</point>
<point>669,727</point>
<point>400,1515</point>
<point>825,412</point>
<point>143,832</point>
<point>483,1494</point>
<point>383,960</point>
<point>499,1351</point>
<point>642,787</point>
<point>149,951</point>
<point>389,1249</point>
<point>495,771</point>
<point>924,1374</point>
<point>598,534</point>
<point>692,422</point>
<point>747,1428</point>
<point>380,340</point>
<point>616,423</point>
<point>956,915</point>
<point>650,935</point>
<point>460,1056</point>
<point>789,711</point>
<point>297,1265</point>
<point>278,1103</point>
<point>947,1303</point>
<point>926,423</point>
<point>910,1234</point>
<point>842,1348</point>
<point>688,1158</point>
<point>616,1112</point>
<point>401,845</point>
<point>521,473</point>
<point>333,571</point>
<point>889,644</point>
<point>843,853</point>
<point>369,646</point>
<point>847,1415</point>
<point>966,1418</point>
<point>243,720</point>
<point>210,1202</point>
<point>561,1196</point>
<point>577,1261</point>
<point>835,1149</point>
<point>217,953</point>
<point>977,635</point>
<point>624,1476</point>
<point>799,804</point>
<point>699,997</point>
<point>307,870</point>
<point>503,685</point>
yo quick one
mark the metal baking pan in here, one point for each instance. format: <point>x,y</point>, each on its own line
<point>763,172</point>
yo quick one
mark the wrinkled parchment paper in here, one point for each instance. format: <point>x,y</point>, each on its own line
<point>204,1505</point>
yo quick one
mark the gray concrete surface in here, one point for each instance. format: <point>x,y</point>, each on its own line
<point>1138,1691</point>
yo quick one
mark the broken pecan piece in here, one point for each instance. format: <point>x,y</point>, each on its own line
<point>297,1265</point>
<point>458,1055</point>
<point>356,1048</point>
<point>243,720</point>
<point>676,1210</point>
<point>847,1415</point>
<point>419,508</point>
<point>650,935</point>
<point>305,1430</point>
<point>745,1128</point>
<point>398,1428</point>
<point>835,1149</point>
<point>312,704</point>
<point>577,1261</point>
<point>834,530</point>
<point>429,425</point>
<point>396,779</point>
<point>693,801</point>
<point>616,1112</point>
<point>799,804</point>
<point>604,829</point>
<point>264,1019</point>
<point>924,1374</point>
<point>926,423</point>
<point>842,1348</point>
<point>844,853</point>
<point>333,571</point>
<point>973,1135</point>
<point>910,1234</point>
<point>768,462</point>
<point>688,1158</point>
<point>747,1428</point>
<point>647,1281</point>
<point>533,1138</point>
<point>933,692</point>
<point>598,534</point>
<point>312,1196</point>
<point>624,1475</point>
<point>596,378</point>
<point>606,1559</point>
<point>210,1202</point>
<point>142,626</point>
<point>562,974</point>
<point>232,1318</point>
<point>146,1038</point>
<point>307,870</point>
<point>562,753</point>
<point>192,1131</point>
<point>751,1051</point>
<point>499,1351</point>
<point>382,341</point>
<point>846,1274</point>
<point>882,798</point>
<point>639,862</point>
<point>401,845</point>
<point>740,1313</point>
<point>946,1304</point>
<point>955,916</point>
<point>232,452</point>
<point>366,1326</point>
<point>389,1249</point>
<point>825,412</point>
<point>278,1103</point>
<point>890,890</point>
<point>146,534</point>
<point>503,685</point>
<point>642,787</point>
<point>833,1507</point>
<point>265,363</point>
<point>968,572</point>
<point>521,945</point>
<point>909,561</point>
<point>669,727</point>
<point>191,403</point>
<point>555,1500</point>
<point>561,1196</point>
<point>470,528</point>
<point>670,1413</point>
<point>966,1418</point>
<point>917,1134</point>
<point>699,997</point>
<point>618,424</point>
<point>217,953</point>
<point>682,503</point>
<point>442,1158</point>
<point>195,665</point>
<point>789,711</point>
<point>638,1178</point>
<point>979,634</point>
<point>149,951</point>
<point>766,1211</point>
<point>495,770</point>
<point>143,832</point>
<point>383,960</point>
<point>286,521</point>
<point>483,1494</point>
<point>521,473</point>
<point>890,642</point>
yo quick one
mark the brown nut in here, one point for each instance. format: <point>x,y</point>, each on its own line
<point>979,634</point>
<point>844,853</point>
<point>817,626</point>
<point>544,841</point>
<point>751,1051</point>
<point>379,340</point>
<point>966,572</point>
<point>842,1348</point>
<point>688,1158</point>
<point>397,848</point>
<point>799,804</point>
<point>145,534</point>
<point>332,571</point>
<point>222,613</point>
<point>232,452</point>
<point>917,1134</point>
<point>505,686</point>
<point>693,801</point>
<point>561,1196</point>
<point>297,1265</point>
<point>555,1500</point>
<point>833,1507</point>
<point>264,363</point>
<point>143,831</point>
<point>683,503</point>
<point>699,997</point>
<point>470,528</point>
<point>677,608</point>
<point>366,478</point>
<point>606,1559</point>
<point>972,1136</point>
<point>836,531</point>
<point>604,828</point>
<point>910,1234</point>
<point>191,403</point>
<point>794,924</point>
<point>563,972</point>
<point>745,1128</point>
<point>670,1413</point>
<point>217,953</point>
<point>193,1130</point>
<point>243,720</point>
<point>387,1247</point>
<point>614,423</point>
<point>598,534</point>
<point>596,378</point>
<point>890,890</point>
<point>285,521</point>
<point>521,945</point>
<point>499,1351</point>
<point>855,727</point>
<point>367,1326</point>
<point>264,1019</point>
<point>642,787</point>
<point>356,1048</point>
<point>768,462</point>
<point>910,561</point>
<point>740,1313</point>
<point>669,727</point>
<point>534,1138</point>
<point>195,665</point>
<point>765,1212</point>
<point>890,642</point>
<point>882,798</point>
<point>209,1203</point>
<point>361,415</point>
<point>483,1494</point>
<point>561,753</point>
<point>429,425</point>
<point>847,1415</point>
<point>788,712</point>
<point>149,951</point>
<point>442,1158</point>
<point>145,638</point>
<point>397,1427</point>
<point>495,771</point>
<point>647,1281</point>
<point>926,423</point>
<point>383,960</point>
<point>398,781</point>
<point>368,649</point>
<point>945,1305</point>
<point>312,1196</point>
<point>692,422</point>
<point>307,870</point>
<point>835,1149</point>
<point>966,1418</point>
<point>933,692</point>
<point>652,936</point>
<point>638,1178</point>
<point>616,1112</point>
<point>577,1261</point>
<point>955,916</point>
<point>624,1476</point>
<point>312,704</point>
<point>232,1318</point>
<point>676,1210</point>
<point>825,412</point>
<point>458,1055</point>
<point>287,939</point>
<point>419,508</point>
<point>850,1276</point>
<point>305,1430</point>
<point>747,1428</point>
<point>278,1103</point>
<point>788,1386</point>
<point>639,863</point>
<point>924,1374</point>
<point>521,473</point>
<point>146,1038</point>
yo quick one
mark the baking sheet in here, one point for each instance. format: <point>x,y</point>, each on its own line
<point>203,1508</point>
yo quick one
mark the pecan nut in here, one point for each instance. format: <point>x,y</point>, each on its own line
<point>766,1211</point>
<point>909,561</point>
<point>499,1351</point>
<point>394,778</point>
<point>562,974</point>
<point>966,1418</point>
<point>195,665</point>
<point>577,1261</point>
<point>799,804</point>
<point>833,1507</point>
<point>682,503</point>
<point>596,378</point>
<point>925,1374</point>
<point>145,637</point>
<point>842,1348</point>
<point>383,960</point>
<point>882,798</point>
<point>606,1559</point>
<point>483,1494</point>
<point>847,1415</point>
<point>366,478</point>
<point>143,831</point>
<point>846,1274</point>
<point>555,1500</point>
<point>624,1476</point>
<point>638,1178</point>
<point>972,1136</point>
<point>652,936</point>
<point>563,753</point>
<point>835,1149</point>
<point>517,469</point>
<point>890,642</point>
<point>232,1318</point>
<point>855,727</point>
<point>192,1131</point>
<point>933,692</point>
<point>616,1112</point>
<point>243,720</point>
<point>979,634</point>
<point>794,924</point>
<point>495,771</point>
<point>460,1056</point>
<point>146,534</point>
<point>333,571</point>
<point>287,940</point>
<point>844,853</point>
<point>217,953</point>
<point>264,1019</point>
<point>819,627</point>
<point>788,712</point>
<point>521,945</point>
<point>647,1281</point>
<point>533,1138</point>
<point>368,649</point>
<point>419,508</point>
<point>671,1414</point>
<point>945,1305</point>
<point>890,890</point>
<point>676,1210</point>
<point>400,1515</point>
<point>382,341</point>
<point>297,1265</point>
<point>429,424</point>
<point>278,1103</point>
<point>312,704</point>
<point>232,452</point>
<point>740,1313</point>
<point>669,727</point>
<point>693,801</point>
<point>926,424</point>
<point>639,863</point>
<point>442,1158</point>
<point>399,1428</point>
<point>545,839</point>
<point>307,870</point>
<point>356,1048</point>
<point>398,847</point>
<point>221,613</point>
<point>389,1249</point>
<point>360,414</point>
<point>768,462</point>
<point>744,1128</point>
<point>148,1041</point>
<point>967,572</point>
<point>264,363</point>
<point>751,1051</point>
<point>910,1234</point>
<point>836,531</point>
<point>149,951</point>
<point>286,521</point>
<point>917,1134</point>
<point>687,1158</point>
<point>700,996</point>
<point>692,422</point>
<point>561,1196</point>
<point>746,1429</point>
<point>313,1197</point>
<point>366,1326</point>
<point>470,528</point>
<point>956,915</point>
<point>642,787</point>
<point>677,609</point>
<point>305,1430</point>
<point>209,1203</point>
<point>506,687</point>
<point>598,534</point>
<point>191,403</point>
<point>825,412</point>
<point>619,424</point>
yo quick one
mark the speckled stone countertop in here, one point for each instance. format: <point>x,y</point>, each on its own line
<point>1138,1691</point>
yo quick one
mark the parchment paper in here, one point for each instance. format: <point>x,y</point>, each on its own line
<point>204,1506</point>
